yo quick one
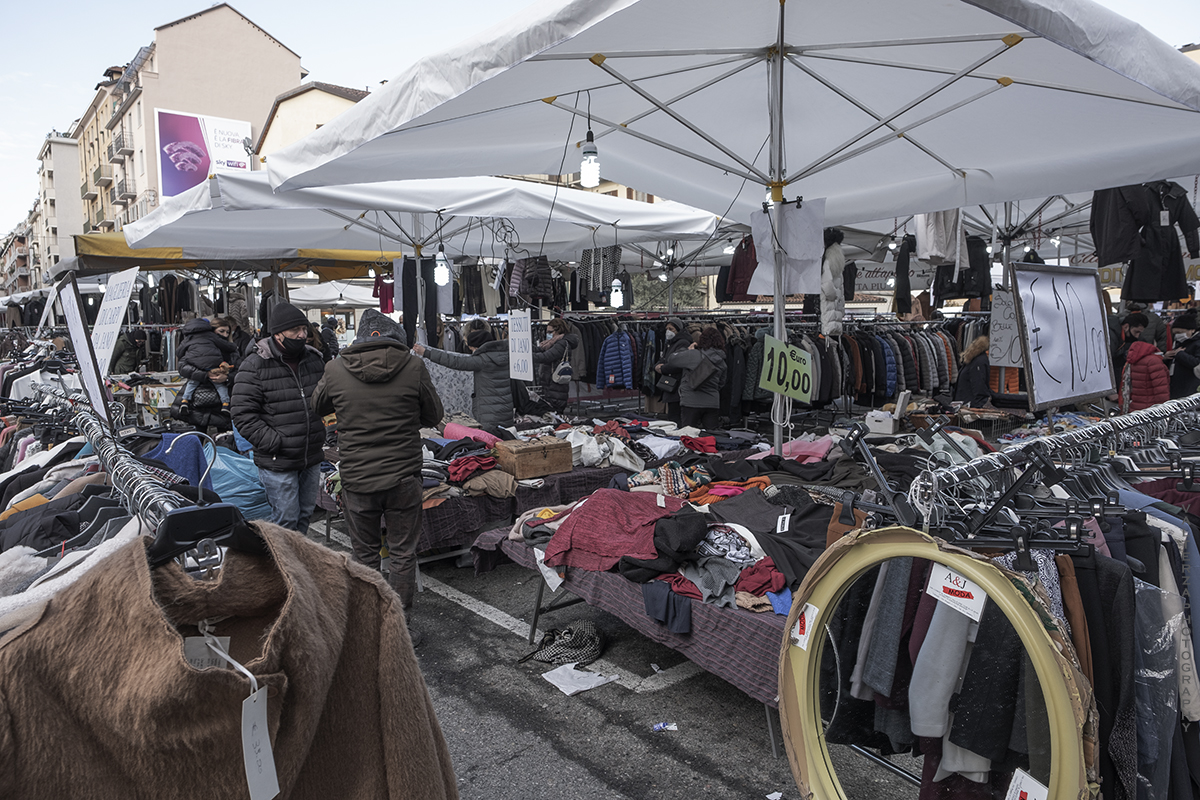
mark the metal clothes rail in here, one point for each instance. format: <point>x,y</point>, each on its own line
<point>1020,454</point>
<point>144,492</point>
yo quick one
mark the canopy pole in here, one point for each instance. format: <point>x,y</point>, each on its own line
<point>670,289</point>
<point>776,113</point>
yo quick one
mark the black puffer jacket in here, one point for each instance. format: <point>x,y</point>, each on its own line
<point>491,402</point>
<point>547,358</point>
<point>329,337</point>
<point>270,407</point>
<point>202,350</point>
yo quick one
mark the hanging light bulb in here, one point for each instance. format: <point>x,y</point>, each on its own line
<point>989,249</point>
<point>310,275</point>
<point>663,277</point>
<point>372,272</point>
<point>1056,241</point>
<point>589,167</point>
<point>150,280</point>
<point>103,288</point>
<point>256,282</point>
<point>891,245</point>
<point>729,248</point>
<point>341,300</point>
<point>1028,248</point>
<point>441,268</point>
<point>670,251</point>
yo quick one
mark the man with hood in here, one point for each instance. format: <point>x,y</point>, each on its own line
<point>382,395</point>
<point>270,408</point>
<point>1184,355</point>
<point>329,336</point>
<point>128,353</point>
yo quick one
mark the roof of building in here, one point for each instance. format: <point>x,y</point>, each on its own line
<point>345,92</point>
<point>234,10</point>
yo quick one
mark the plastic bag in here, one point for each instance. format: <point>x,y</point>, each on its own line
<point>235,478</point>
<point>1159,626</point>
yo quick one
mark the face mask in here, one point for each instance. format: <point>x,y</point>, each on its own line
<point>549,336</point>
<point>670,335</point>
<point>1181,336</point>
<point>294,348</point>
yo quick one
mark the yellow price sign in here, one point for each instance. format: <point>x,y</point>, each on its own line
<point>786,370</point>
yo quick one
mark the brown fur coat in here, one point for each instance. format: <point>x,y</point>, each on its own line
<point>96,699</point>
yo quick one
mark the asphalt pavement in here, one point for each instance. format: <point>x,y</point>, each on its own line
<point>512,734</point>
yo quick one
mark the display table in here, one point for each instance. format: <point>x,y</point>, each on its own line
<point>739,646</point>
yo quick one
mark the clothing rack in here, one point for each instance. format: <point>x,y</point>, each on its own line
<point>1017,455</point>
<point>144,493</point>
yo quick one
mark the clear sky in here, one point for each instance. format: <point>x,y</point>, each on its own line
<point>53,56</point>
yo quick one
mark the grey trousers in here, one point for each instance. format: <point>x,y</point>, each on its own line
<point>396,511</point>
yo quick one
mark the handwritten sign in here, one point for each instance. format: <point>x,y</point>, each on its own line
<point>786,370</point>
<point>1005,338</point>
<point>108,319</point>
<point>520,346</point>
<point>1064,333</point>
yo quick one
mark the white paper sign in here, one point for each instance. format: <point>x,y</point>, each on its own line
<point>46,311</point>
<point>108,319</point>
<point>1005,338</point>
<point>520,346</point>
<point>956,591</point>
<point>1064,327</point>
<point>804,626</point>
<point>89,373</point>
<point>1024,787</point>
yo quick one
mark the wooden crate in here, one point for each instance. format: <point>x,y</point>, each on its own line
<point>534,459</point>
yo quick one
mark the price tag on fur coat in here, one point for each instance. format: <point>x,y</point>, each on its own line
<point>1024,787</point>
<point>256,747</point>
<point>956,591</point>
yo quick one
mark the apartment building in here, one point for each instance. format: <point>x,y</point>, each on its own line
<point>60,208</point>
<point>14,261</point>
<point>298,112</point>
<point>190,103</point>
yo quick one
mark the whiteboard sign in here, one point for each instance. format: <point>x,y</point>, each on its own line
<point>89,373</point>
<point>1005,347</point>
<point>1064,334</point>
<point>108,319</point>
<point>520,346</point>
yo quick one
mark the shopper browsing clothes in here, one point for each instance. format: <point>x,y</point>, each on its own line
<point>550,352</point>
<point>1184,356</point>
<point>127,353</point>
<point>677,342</point>
<point>271,410</point>
<point>703,365</point>
<point>974,387</point>
<point>491,402</point>
<point>382,396</point>
<point>205,356</point>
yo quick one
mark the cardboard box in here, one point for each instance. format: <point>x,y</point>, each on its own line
<point>882,422</point>
<point>156,396</point>
<point>534,459</point>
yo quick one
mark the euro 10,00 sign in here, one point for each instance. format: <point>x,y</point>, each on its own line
<point>786,370</point>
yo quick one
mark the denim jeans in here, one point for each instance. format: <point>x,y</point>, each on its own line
<point>292,495</point>
<point>398,512</point>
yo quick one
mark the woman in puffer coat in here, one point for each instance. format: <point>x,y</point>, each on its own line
<point>491,402</point>
<point>700,387</point>
<point>677,342</point>
<point>1145,380</point>
<point>548,355</point>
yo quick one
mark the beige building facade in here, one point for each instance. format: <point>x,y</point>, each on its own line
<point>216,65</point>
<point>300,111</point>
<point>61,206</point>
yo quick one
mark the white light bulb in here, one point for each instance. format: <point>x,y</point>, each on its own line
<point>663,277</point>
<point>989,248</point>
<point>891,281</point>
<point>256,283</point>
<point>891,245</point>
<point>589,166</point>
<point>441,268</point>
<point>310,275</point>
<point>729,248</point>
<point>670,251</point>
<point>1056,241</point>
<point>1028,248</point>
<point>372,272</point>
<point>103,288</point>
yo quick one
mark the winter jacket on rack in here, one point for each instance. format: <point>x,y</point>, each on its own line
<point>887,387</point>
<point>1145,380</point>
<point>270,407</point>
<point>754,360</point>
<point>1157,271</point>
<point>745,261</point>
<point>614,369</point>
<point>368,386</point>
<point>491,403</point>
<point>325,637</point>
<point>973,387</point>
<point>833,289</point>
<point>202,350</point>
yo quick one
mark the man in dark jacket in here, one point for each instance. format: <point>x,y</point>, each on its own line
<point>382,395</point>
<point>127,353</point>
<point>329,336</point>
<point>271,409</point>
<point>1184,356</point>
<point>491,402</point>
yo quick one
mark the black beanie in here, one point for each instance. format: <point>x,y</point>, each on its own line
<point>374,325</point>
<point>284,317</point>
<point>478,338</point>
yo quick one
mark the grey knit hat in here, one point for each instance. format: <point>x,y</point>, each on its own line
<point>676,323</point>
<point>375,324</point>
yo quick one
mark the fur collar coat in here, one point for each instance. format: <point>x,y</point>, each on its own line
<point>97,699</point>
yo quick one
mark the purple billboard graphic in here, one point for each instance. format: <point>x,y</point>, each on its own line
<point>193,147</point>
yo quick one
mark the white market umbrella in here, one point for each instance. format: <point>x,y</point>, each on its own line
<point>333,294</point>
<point>237,215</point>
<point>880,107</point>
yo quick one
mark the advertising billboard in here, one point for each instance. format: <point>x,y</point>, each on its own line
<point>191,147</point>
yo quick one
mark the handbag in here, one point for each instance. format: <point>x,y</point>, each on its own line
<point>205,397</point>
<point>563,372</point>
<point>668,384</point>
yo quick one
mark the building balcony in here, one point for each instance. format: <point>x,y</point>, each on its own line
<point>88,192</point>
<point>106,220</point>
<point>122,145</point>
<point>88,227</point>
<point>22,251</point>
<point>102,175</point>
<point>126,189</point>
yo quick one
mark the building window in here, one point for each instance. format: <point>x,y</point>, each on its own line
<point>138,113</point>
<point>141,162</point>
